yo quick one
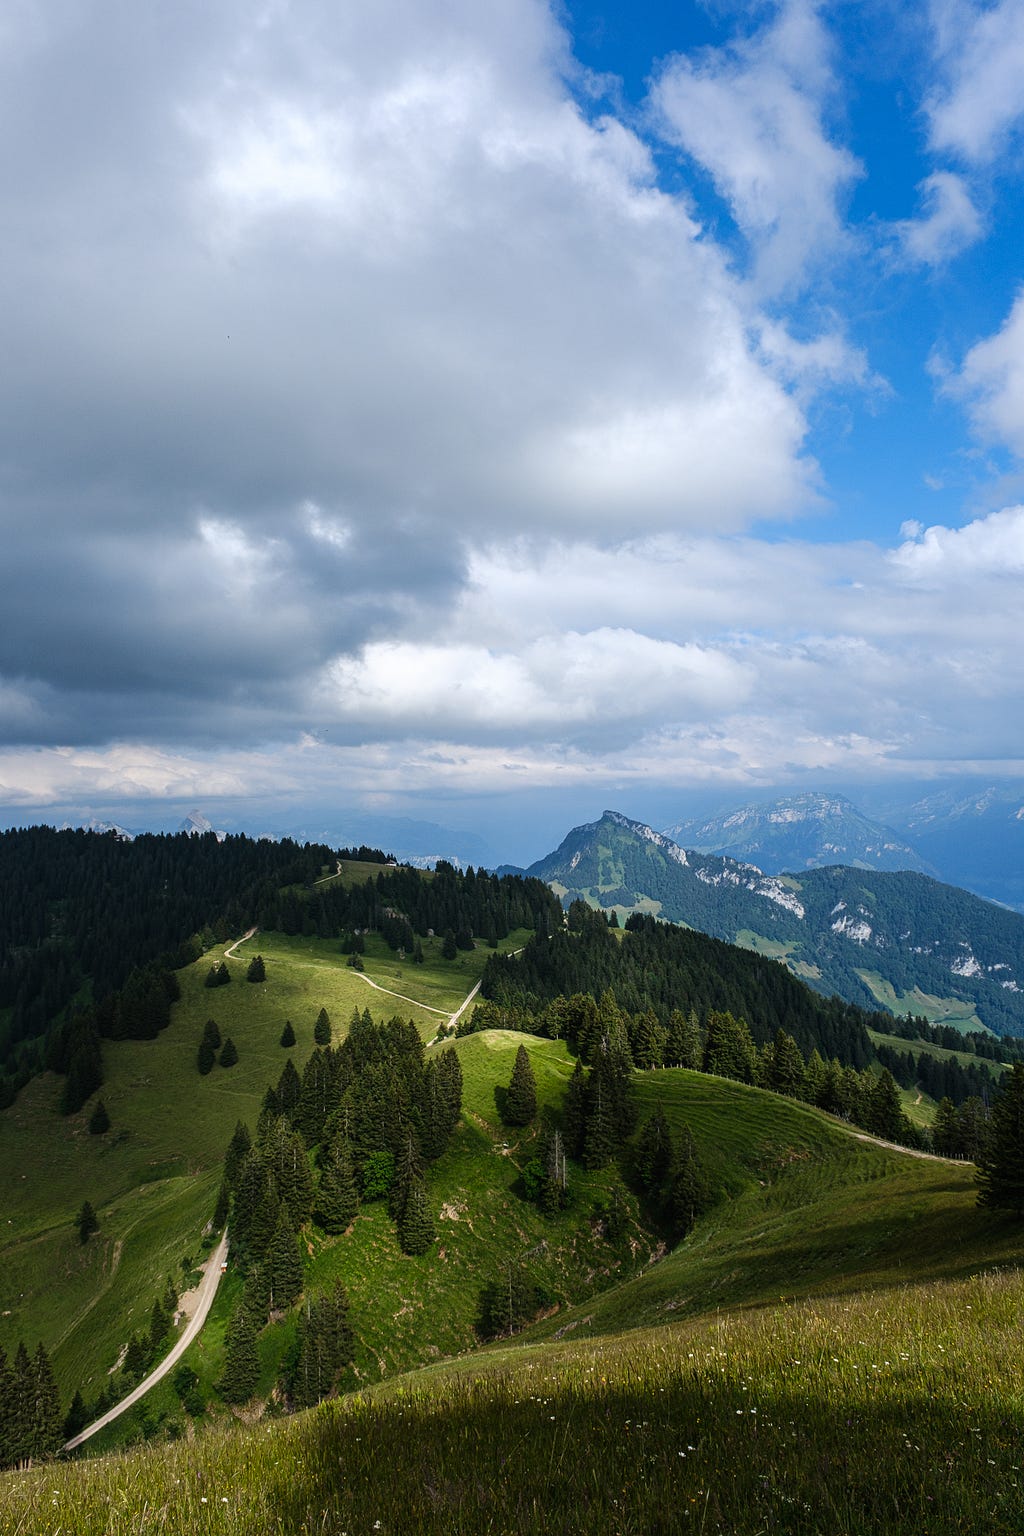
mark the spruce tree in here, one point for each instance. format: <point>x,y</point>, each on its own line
<point>337,1199</point>
<point>241,1359</point>
<point>47,1423</point>
<point>222,1208</point>
<point>238,1146</point>
<point>256,971</point>
<point>574,1112</point>
<point>521,1094</point>
<point>287,1034</point>
<point>99,1120</point>
<point>159,1326</point>
<point>87,1222</point>
<point>229,1053</point>
<point>326,1347</point>
<point>688,1193</point>
<point>1001,1164</point>
<point>322,1028</point>
<point>416,1225</point>
<point>75,1420</point>
<point>283,1265</point>
<point>653,1154</point>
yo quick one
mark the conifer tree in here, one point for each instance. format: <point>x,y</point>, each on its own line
<point>289,1166</point>
<point>289,1089</point>
<point>416,1225</point>
<point>1001,1164</point>
<point>287,1034</point>
<point>241,1359</point>
<point>99,1120</point>
<point>47,1420</point>
<point>521,1095</point>
<point>449,948</point>
<point>256,971</point>
<point>689,1191</point>
<point>229,1053</point>
<point>239,1145</point>
<point>653,1154</point>
<point>337,1199</point>
<point>322,1028</point>
<point>946,1130</point>
<point>87,1222</point>
<point>283,1265</point>
<point>326,1347</point>
<point>159,1326</point>
<point>785,1067</point>
<point>75,1420</point>
<point>222,1208</point>
<point>574,1112</point>
<point>7,1415</point>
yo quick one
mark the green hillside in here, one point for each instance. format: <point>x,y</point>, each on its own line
<point>153,1177</point>
<point>834,1347</point>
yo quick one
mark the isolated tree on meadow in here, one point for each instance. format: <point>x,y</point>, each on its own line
<point>99,1120</point>
<point>87,1222</point>
<point>287,1034</point>
<point>521,1094</point>
<point>229,1053</point>
<point>257,971</point>
<point>322,1028</point>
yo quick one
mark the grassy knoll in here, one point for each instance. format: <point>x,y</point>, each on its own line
<point>152,1178</point>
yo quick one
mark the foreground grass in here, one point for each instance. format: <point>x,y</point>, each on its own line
<point>896,1414</point>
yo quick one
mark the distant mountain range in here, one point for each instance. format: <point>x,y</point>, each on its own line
<point>880,938</point>
<point>801,832</point>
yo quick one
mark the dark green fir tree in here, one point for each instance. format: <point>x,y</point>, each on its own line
<point>521,1094</point>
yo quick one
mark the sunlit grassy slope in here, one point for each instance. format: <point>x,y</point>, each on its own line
<point>152,1178</point>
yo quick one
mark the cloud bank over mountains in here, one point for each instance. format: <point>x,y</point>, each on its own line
<point>390,405</point>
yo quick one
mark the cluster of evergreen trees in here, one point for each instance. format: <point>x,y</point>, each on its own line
<point>31,1422</point>
<point>376,1111</point>
<point>401,905</point>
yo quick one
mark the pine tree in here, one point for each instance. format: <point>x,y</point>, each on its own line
<point>289,1089</point>
<point>75,1420</point>
<point>326,1347</point>
<point>449,948</point>
<point>229,1053</point>
<point>99,1120</point>
<point>946,1130</point>
<point>287,1034</point>
<point>416,1225</point>
<point>1001,1164</point>
<point>574,1112</point>
<point>256,971</point>
<point>208,1047</point>
<point>238,1146</point>
<point>521,1094</point>
<point>688,1193</point>
<point>786,1065</point>
<point>283,1265</point>
<point>87,1222</point>
<point>46,1436</point>
<point>159,1326</point>
<point>337,1199</point>
<point>241,1359</point>
<point>222,1209</point>
<point>653,1154</point>
<point>322,1028</point>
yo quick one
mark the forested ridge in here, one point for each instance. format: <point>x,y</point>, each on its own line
<point>92,928</point>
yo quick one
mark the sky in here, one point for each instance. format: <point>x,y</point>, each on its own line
<point>456,410</point>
